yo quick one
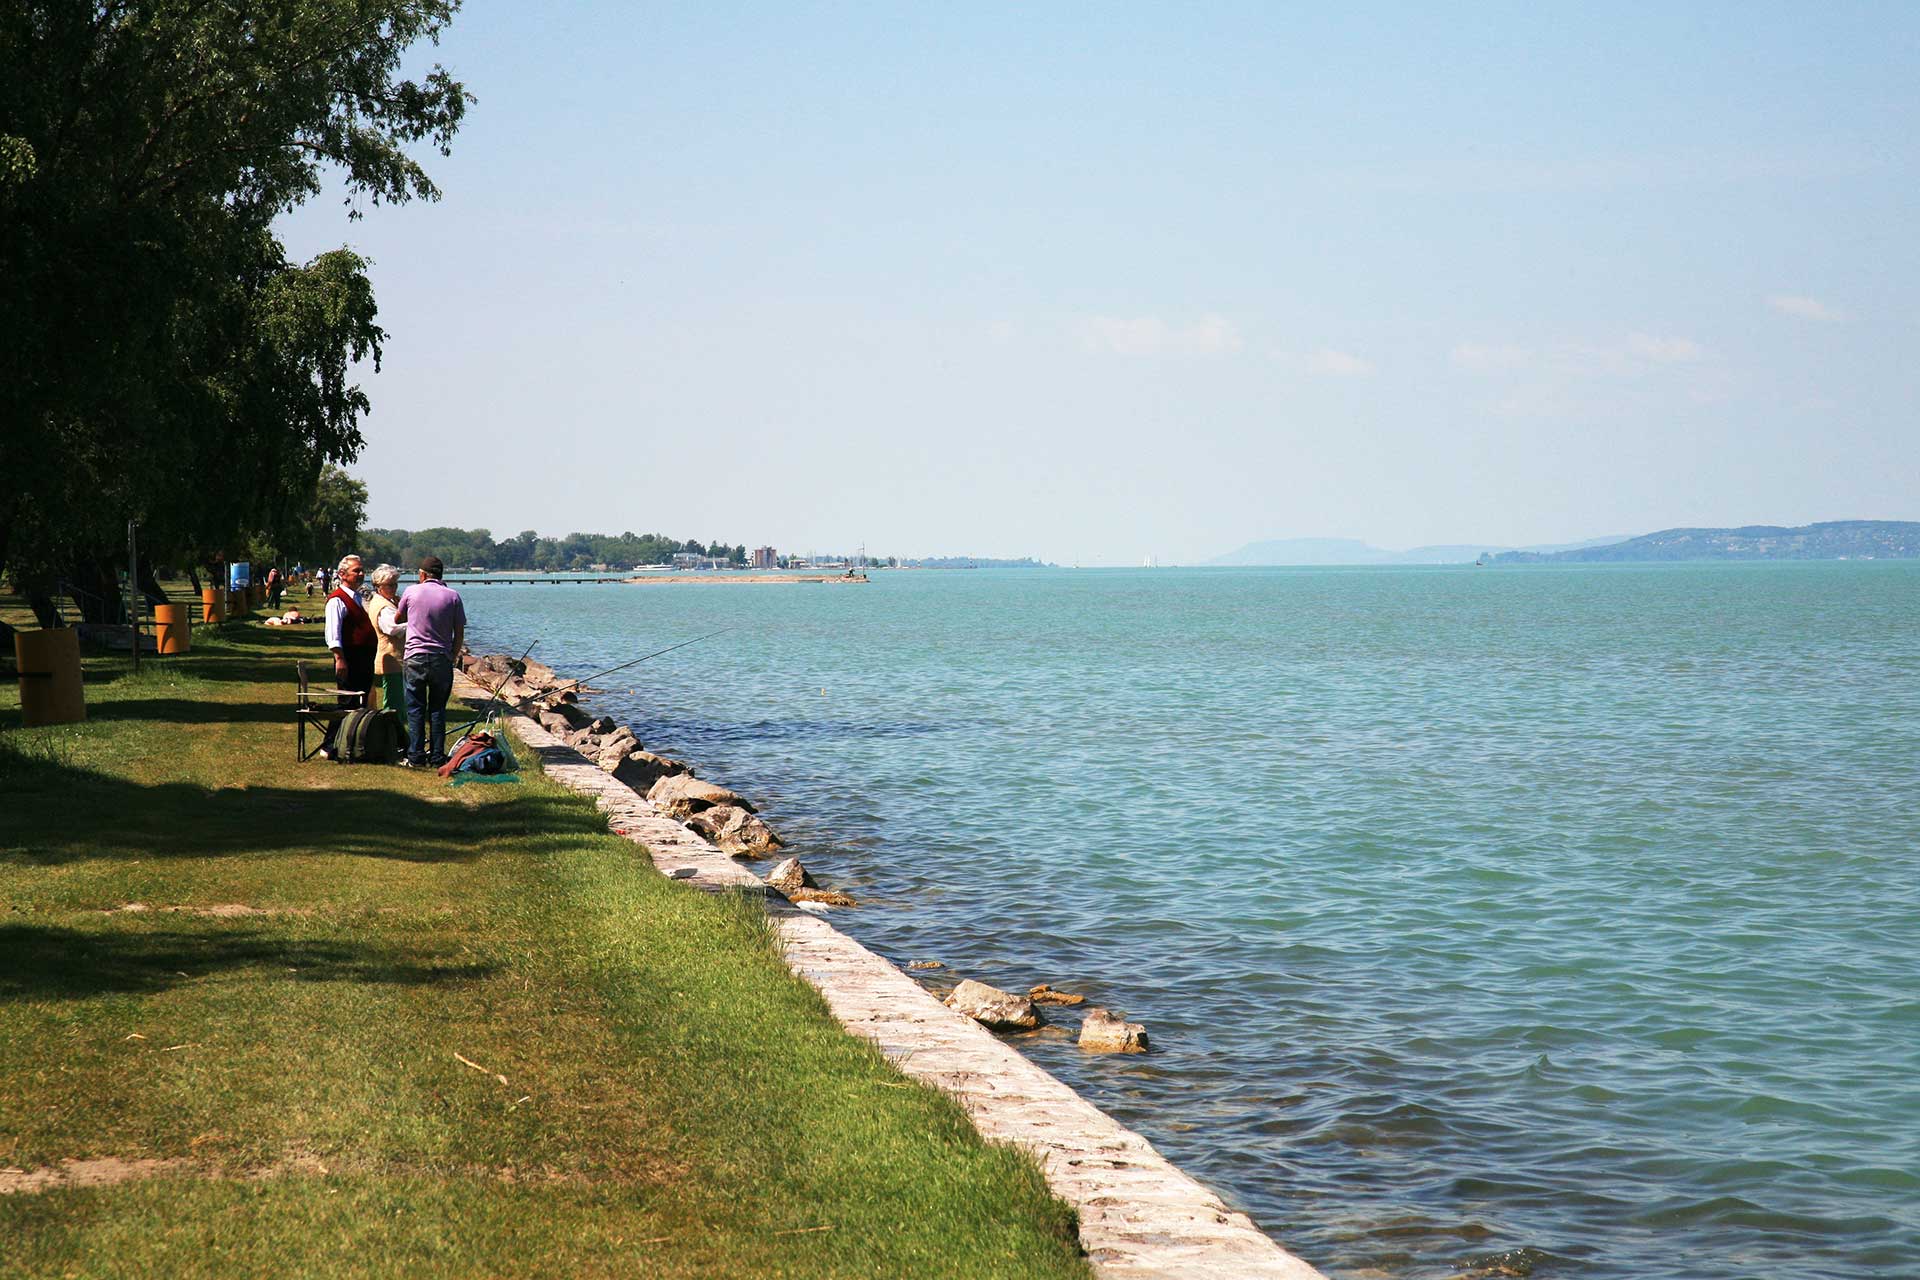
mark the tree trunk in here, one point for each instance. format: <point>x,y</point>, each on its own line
<point>46,611</point>
<point>95,589</point>
<point>150,584</point>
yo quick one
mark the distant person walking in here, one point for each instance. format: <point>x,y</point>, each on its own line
<point>389,637</point>
<point>436,621</point>
<point>350,634</point>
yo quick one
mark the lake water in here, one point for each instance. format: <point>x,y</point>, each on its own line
<point>1565,920</point>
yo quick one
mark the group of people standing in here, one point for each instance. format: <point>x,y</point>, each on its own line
<point>406,641</point>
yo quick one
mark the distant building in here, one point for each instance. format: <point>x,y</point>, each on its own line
<point>764,558</point>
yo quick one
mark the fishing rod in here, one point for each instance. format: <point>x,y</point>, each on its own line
<point>515,668</point>
<point>575,684</point>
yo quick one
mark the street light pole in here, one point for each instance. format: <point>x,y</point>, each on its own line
<point>133,589</point>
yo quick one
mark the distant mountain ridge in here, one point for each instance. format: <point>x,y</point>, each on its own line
<point>1345,551</point>
<point>1829,540</point>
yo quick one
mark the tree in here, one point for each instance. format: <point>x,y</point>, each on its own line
<point>332,524</point>
<point>160,359</point>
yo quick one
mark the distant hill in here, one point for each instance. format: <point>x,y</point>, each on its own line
<point>1339,551</point>
<point>1831,540</point>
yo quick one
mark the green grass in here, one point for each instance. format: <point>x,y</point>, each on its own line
<point>676,1102</point>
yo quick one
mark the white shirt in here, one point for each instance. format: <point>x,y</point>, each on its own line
<point>337,614</point>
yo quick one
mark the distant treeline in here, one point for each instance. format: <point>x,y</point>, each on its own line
<point>529,552</point>
<point>465,548</point>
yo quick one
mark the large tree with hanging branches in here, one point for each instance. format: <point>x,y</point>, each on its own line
<point>160,358</point>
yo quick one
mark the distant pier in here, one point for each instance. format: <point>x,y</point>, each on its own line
<point>647,579</point>
<point>505,580</point>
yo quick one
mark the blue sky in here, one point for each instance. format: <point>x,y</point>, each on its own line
<point>1094,283</point>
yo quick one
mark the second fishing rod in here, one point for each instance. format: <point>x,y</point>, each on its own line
<point>583,681</point>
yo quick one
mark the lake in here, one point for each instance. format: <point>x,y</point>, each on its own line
<point>1560,919</point>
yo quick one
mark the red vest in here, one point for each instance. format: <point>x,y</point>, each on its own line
<point>356,628</point>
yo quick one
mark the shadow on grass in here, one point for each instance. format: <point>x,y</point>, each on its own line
<point>193,711</point>
<point>68,964</point>
<point>265,655</point>
<point>238,652</point>
<point>52,813</point>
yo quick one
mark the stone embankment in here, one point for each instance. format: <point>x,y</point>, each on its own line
<point>1139,1215</point>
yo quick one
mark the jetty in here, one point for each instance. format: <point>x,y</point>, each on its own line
<point>712,579</point>
<point>519,580</point>
<point>648,579</point>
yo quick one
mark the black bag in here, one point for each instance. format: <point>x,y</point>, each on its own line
<point>366,736</point>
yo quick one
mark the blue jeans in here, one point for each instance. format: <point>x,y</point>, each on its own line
<point>429,679</point>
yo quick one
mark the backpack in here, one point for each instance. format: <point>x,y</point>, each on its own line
<point>486,760</point>
<point>366,736</point>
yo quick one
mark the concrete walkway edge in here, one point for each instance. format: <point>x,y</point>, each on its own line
<point>1139,1215</point>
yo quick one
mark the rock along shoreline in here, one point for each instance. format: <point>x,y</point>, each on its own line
<point>1140,1215</point>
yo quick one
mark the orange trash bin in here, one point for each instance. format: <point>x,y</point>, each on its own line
<point>49,666</point>
<point>171,632</point>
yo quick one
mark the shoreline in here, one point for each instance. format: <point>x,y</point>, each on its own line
<point>1140,1215</point>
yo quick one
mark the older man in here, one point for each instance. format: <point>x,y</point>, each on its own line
<point>436,622</point>
<point>350,634</point>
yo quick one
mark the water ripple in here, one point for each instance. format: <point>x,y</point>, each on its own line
<point>1553,923</point>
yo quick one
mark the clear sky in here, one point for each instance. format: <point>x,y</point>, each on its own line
<point>1098,282</point>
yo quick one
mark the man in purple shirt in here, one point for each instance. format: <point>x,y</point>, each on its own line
<point>436,628</point>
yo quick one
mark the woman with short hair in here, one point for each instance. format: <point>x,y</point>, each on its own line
<point>390,637</point>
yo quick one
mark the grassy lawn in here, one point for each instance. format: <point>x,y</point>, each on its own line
<point>283,1028</point>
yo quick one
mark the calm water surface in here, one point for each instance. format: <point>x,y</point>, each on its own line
<point>1563,920</point>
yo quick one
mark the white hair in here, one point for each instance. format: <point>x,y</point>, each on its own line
<point>346,560</point>
<point>383,575</point>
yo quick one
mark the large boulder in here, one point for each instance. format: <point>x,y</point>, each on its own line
<point>585,741</point>
<point>603,724</point>
<point>798,885</point>
<point>684,795</point>
<point>994,1009</point>
<point>735,831</point>
<point>641,769</point>
<point>574,716</point>
<point>614,748</point>
<point>1102,1032</point>
<point>555,723</point>
<point>790,876</point>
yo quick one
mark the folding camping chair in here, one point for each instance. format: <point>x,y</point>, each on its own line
<point>308,710</point>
